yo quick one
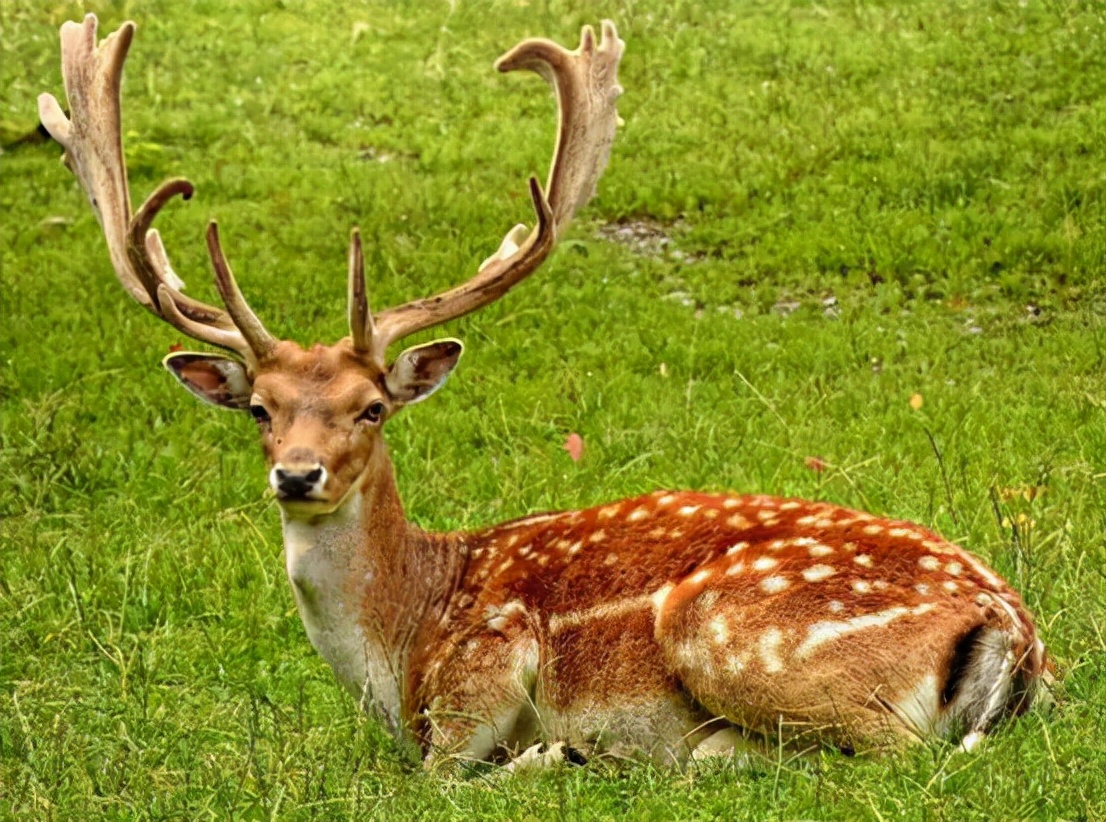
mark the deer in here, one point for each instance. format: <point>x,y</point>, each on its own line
<point>667,627</point>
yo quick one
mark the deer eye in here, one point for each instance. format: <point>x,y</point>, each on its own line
<point>259,413</point>
<point>373,414</point>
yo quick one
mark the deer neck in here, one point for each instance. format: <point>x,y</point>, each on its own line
<point>367,584</point>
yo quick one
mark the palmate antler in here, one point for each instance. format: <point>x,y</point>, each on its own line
<point>586,86</point>
<point>94,152</point>
<point>585,82</point>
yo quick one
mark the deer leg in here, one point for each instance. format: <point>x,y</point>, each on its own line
<point>481,694</point>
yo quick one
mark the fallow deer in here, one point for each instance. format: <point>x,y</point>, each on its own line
<point>670,625</point>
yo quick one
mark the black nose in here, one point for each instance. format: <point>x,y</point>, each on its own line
<point>297,484</point>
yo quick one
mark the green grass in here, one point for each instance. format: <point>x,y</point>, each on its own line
<point>934,167</point>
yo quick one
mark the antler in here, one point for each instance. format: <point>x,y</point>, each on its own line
<point>93,146</point>
<point>585,83</point>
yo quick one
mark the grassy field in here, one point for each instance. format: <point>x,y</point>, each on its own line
<point>814,214</point>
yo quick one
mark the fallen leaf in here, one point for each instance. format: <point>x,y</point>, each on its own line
<point>916,401</point>
<point>815,464</point>
<point>574,445</point>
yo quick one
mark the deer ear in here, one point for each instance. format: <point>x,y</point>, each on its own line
<point>420,371</point>
<point>214,378</point>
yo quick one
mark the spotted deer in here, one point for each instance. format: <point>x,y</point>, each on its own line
<point>670,626</point>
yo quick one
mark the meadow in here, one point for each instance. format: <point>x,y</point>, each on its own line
<point>846,251</point>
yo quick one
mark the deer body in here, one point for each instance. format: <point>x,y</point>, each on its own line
<point>656,623</point>
<point>674,624</point>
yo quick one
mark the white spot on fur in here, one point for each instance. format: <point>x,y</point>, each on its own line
<point>863,560</point>
<point>735,569</point>
<point>661,594</point>
<point>736,548</point>
<point>816,573</point>
<point>899,533</point>
<point>824,522</point>
<point>872,530</point>
<point>719,629</point>
<point>768,645</point>
<point>791,505</point>
<point>597,536</point>
<point>836,607</point>
<point>699,577</point>
<point>738,521</point>
<point>820,550</point>
<point>777,544</point>
<point>981,569</point>
<point>807,520</point>
<point>773,585</point>
<point>688,510</point>
<point>764,563</point>
<point>637,514</point>
<point>929,563</point>
<point>711,513</point>
<point>767,516</point>
<point>667,499</point>
<point>611,559</point>
<point>954,569</point>
<point>730,503</point>
<point>922,589</point>
<point>575,548</point>
<point>862,586</point>
<point>803,542</point>
<point>823,632</point>
<point>609,511</point>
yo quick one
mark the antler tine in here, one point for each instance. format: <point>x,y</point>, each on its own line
<point>260,341</point>
<point>585,84</point>
<point>92,139</point>
<point>361,325</point>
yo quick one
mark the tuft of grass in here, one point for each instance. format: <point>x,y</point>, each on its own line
<point>842,206</point>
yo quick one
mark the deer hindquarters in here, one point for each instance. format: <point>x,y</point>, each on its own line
<point>812,663</point>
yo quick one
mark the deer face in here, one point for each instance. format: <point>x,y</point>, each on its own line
<point>319,411</point>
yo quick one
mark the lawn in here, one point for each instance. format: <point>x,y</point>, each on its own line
<point>845,251</point>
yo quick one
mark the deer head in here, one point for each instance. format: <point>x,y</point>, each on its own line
<point>320,410</point>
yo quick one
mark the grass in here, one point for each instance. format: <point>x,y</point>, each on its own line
<point>842,206</point>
